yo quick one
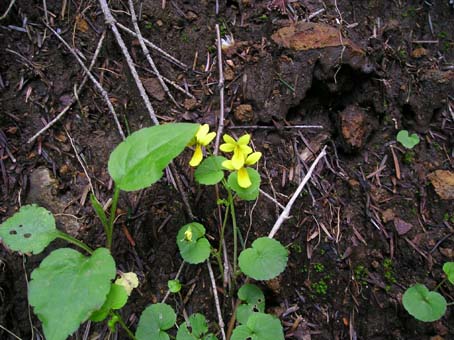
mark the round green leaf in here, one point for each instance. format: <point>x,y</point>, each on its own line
<point>198,326</point>
<point>407,140</point>
<point>116,299</point>
<point>154,321</point>
<point>194,248</point>
<point>68,287</point>
<point>247,194</point>
<point>448,268</point>
<point>29,230</point>
<point>210,171</point>
<point>423,304</point>
<point>255,302</point>
<point>138,161</point>
<point>265,260</point>
<point>174,286</point>
<point>260,326</point>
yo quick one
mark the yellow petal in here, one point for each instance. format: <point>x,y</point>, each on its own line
<point>202,132</point>
<point>253,158</point>
<point>227,147</point>
<point>208,138</point>
<point>228,165</point>
<point>243,178</point>
<point>244,149</point>
<point>228,139</point>
<point>197,156</point>
<point>129,281</point>
<point>244,139</point>
<point>238,160</point>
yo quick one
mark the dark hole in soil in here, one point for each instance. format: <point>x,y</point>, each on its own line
<point>408,115</point>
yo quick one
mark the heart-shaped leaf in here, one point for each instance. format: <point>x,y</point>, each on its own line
<point>266,259</point>
<point>448,268</point>
<point>194,247</point>
<point>138,161</point>
<point>248,194</point>
<point>116,299</point>
<point>255,302</point>
<point>408,141</point>
<point>196,329</point>
<point>210,171</point>
<point>30,230</point>
<point>154,321</point>
<point>260,326</point>
<point>423,304</point>
<point>68,287</point>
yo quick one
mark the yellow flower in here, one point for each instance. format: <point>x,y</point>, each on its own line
<point>243,177</point>
<point>239,148</point>
<point>202,138</point>
<point>188,235</point>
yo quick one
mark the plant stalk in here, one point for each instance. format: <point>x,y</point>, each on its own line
<point>124,326</point>
<point>74,241</point>
<point>113,210</point>
<point>235,231</point>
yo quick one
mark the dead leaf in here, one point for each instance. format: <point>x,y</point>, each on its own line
<point>81,23</point>
<point>308,35</point>
<point>419,52</point>
<point>401,226</point>
<point>388,215</point>
<point>154,88</point>
<point>443,182</point>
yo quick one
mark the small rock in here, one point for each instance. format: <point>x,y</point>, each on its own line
<point>448,252</point>
<point>243,113</point>
<point>190,104</point>
<point>159,23</point>
<point>443,182</point>
<point>229,74</point>
<point>401,226</point>
<point>154,88</point>
<point>353,125</point>
<point>191,16</point>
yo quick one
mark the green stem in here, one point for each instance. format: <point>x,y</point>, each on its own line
<point>74,241</point>
<point>113,210</point>
<point>224,223</point>
<point>439,285</point>
<point>235,231</point>
<point>124,326</point>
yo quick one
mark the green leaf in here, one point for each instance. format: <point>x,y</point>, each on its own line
<point>265,260</point>
<point>210,171</point>
<point>68,287</point>
<point>138,161</point>
<point>248,194</point>
<point>408,141</point>
<point>30,230</point>
<point>260,326</point>
<point>198,326</point>
<point>448,268</point>
<point>194,248</point>
<point>154,321</point>
<point>255,302</point>
<point>174,286</point>
<point>423,304</point>
<point>116,299</point>
<point>99,210</point>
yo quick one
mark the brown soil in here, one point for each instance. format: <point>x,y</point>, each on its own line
<point>368,225</point>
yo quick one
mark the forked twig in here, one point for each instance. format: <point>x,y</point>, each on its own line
<point>110,20</point>
<point>74,98</point>
<point>147,52</point>
<point>93,79</point>
<point>285,214</point>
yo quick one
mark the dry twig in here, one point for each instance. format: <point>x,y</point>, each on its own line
<point>93,79</point>
<point>74,98</point>
<point>216,299</point>
<point>285,214</point>
<point>221,91</point>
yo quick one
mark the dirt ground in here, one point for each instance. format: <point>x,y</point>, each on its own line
<point>374,219</point>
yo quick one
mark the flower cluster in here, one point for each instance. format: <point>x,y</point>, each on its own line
<point>241,158</point>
